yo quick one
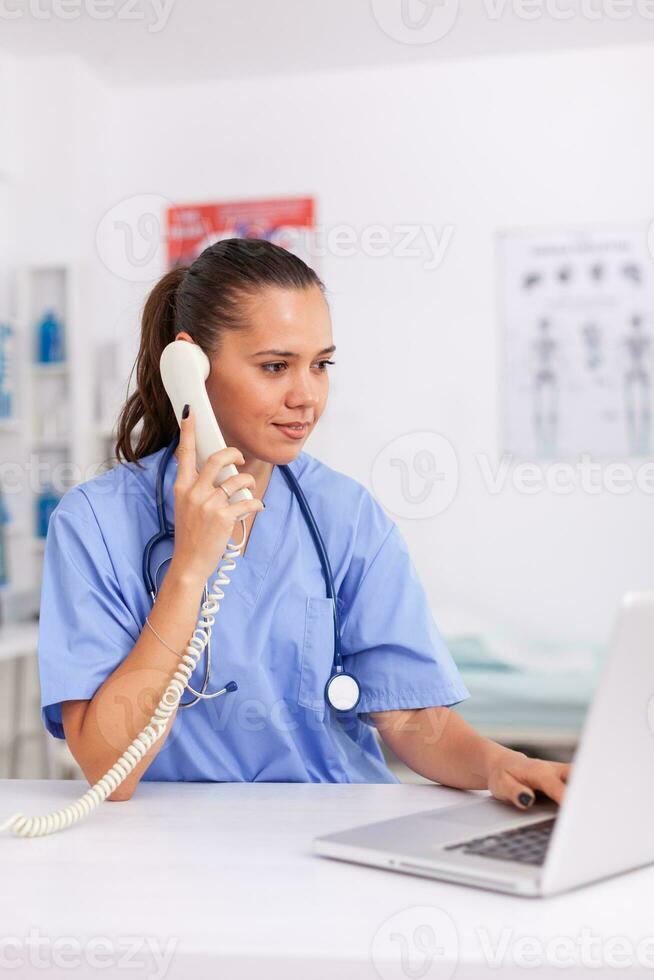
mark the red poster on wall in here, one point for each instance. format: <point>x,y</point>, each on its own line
<point>288,222</point>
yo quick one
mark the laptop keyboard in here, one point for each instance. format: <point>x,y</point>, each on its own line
<point>527,845</point>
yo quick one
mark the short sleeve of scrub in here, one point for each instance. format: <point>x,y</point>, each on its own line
<point>85,627</point>
<point>390,640</point>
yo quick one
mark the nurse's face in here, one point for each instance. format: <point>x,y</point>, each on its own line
<point>272,373</point>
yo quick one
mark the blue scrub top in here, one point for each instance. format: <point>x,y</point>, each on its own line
<point>273,634</point>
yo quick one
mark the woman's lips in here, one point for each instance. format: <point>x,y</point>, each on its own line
<point>292,433</point>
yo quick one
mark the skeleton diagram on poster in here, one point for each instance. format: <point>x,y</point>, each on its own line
<point>578,332</point>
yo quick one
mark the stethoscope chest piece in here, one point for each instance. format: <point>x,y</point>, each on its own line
<point>342,691</point>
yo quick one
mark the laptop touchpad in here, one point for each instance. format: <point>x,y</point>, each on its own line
<point>486,816</point>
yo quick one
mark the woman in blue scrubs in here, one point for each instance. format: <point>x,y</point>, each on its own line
<point>260,315</point>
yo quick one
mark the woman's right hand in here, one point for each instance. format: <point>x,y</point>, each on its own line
<point>204,518</point>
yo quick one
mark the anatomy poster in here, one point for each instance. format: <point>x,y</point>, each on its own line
<point>288,222</point>
<point>578,309</point>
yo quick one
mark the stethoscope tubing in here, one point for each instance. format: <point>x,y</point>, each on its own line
<point>167,532</point>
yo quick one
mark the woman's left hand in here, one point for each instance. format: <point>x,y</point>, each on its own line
<point>513,777</point>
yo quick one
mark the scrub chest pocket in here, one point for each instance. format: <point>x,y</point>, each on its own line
<point>317,653</point>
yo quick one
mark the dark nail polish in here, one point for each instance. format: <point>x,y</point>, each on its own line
<point>187,409</point>
<point>264,506</point>
<point>525,799</point>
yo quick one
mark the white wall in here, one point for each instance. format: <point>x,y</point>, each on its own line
<point>58,112</point>
<point>478,144</point>
<point>7,163</point>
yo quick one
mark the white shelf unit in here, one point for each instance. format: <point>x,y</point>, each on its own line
<point>51,434</point>
<point>49,437</point>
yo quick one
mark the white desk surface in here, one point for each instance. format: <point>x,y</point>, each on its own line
<point>225,870</point>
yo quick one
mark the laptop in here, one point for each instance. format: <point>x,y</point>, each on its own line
<point>602,828</point>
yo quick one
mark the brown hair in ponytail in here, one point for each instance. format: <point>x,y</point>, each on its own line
<point>202,299</point>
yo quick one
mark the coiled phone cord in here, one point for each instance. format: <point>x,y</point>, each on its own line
<point>50,823</point>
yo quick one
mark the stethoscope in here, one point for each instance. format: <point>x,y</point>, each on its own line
<point>342,690</point>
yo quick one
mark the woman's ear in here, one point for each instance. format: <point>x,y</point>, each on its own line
<point>182,335</point>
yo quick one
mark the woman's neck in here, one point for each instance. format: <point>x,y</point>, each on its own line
<point>260,469</point>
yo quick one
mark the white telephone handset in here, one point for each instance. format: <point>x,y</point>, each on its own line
<point>184,370</point>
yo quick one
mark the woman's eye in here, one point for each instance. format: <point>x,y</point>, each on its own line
<point>270,368</point>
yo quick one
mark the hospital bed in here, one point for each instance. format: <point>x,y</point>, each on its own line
<point>531,697</point>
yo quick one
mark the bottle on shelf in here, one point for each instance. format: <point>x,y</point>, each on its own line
<point>4,561</point>
<point>6,371</point>
<point>50,335</point>
<point>46,502</point>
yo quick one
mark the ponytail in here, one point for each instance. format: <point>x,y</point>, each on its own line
<point>150,401</point>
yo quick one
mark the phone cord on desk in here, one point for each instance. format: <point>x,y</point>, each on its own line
<point>50,823</point>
